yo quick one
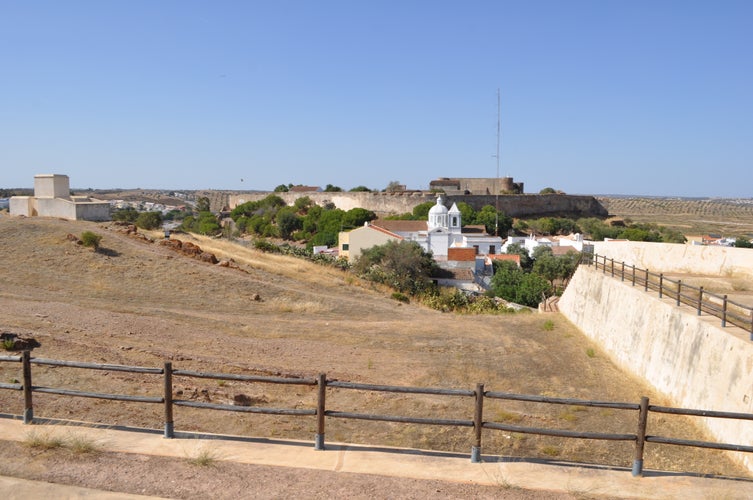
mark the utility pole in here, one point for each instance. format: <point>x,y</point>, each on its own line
<point>496,181</point>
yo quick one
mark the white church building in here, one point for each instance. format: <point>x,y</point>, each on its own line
<point>442,234</point>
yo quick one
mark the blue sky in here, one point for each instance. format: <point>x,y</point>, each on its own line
<point>597,97</point>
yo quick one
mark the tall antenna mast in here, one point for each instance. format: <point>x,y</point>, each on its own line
<point>496,182</point>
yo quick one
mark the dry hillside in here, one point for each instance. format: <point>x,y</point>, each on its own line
<point>726,216</point>
<point>139,303</point>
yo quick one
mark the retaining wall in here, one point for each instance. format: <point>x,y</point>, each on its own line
<point>690,359</point>
<point>674,258</point>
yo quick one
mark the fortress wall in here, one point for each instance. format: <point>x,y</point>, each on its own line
<point>528,205</point>
<point>674,258</point>
<point>690,359</point>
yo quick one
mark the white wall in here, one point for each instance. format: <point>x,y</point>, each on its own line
<point>691,359</point>
<point>672,257</point>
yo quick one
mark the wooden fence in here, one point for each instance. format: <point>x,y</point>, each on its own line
<point>321,412</point>
<point>699,299</point>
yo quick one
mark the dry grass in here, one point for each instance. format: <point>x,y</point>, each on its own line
<point>52,440</point>
<point>143,304</point>
<point>204,455</point>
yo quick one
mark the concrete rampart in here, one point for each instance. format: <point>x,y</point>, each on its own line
<point>674,258</point>
<point>690,359</point>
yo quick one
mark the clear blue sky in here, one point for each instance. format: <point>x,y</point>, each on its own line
<point>597,97</point>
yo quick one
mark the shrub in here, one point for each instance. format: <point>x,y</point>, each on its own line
<point>400,297</point>
<point>149,220</point>
<point>265,246</point>
<point>129,214</point>
<point>90,239</point>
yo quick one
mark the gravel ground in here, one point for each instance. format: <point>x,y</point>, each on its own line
<point>179,478</point>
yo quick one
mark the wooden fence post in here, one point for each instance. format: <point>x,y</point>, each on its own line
<point>645,285</point>
<point>604,266</point>
<point>320,409</point>
<point>661,284</point>
<point>612,267</point>
<point>700,300</point>
<point>622,273</point>
<point>478,422</point>
<point>633,274</point>
<point>168,397</point>
<point>640,438</point>
<point>724,312</point>
<point>28,404</point>
<point>679,291</point>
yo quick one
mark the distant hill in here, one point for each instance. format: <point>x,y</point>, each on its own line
<point>692,216</point>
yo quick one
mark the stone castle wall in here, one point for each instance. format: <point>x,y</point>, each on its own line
<point>524,205</point>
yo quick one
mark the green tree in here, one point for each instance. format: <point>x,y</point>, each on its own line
<point>303,204</point>
<point>402,265</point>
<point>421,211</point>
<point>597,229</point>
<point>268,205</point>
<point>360,189</point>
<point>288,222</point>
<point>554,268</point>
<point>208,225</point>
<point>357,217</point>
<point>467,213</point>
<point>329,188</point>
<point>149,220</point>
<point>128,214</point>
<point>515,285</point>
<point>489,216</point>
<point>743,242</point>
<point>548,190</point>
<point>282,188</point>
<point>202,204</point>
<point>525,259</point>
<point>640,233</point>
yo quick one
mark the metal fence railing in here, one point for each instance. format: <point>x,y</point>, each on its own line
<point>703,301</point>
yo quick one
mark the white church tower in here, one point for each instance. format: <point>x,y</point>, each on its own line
<point>455,222</point>
<point>438,215</point>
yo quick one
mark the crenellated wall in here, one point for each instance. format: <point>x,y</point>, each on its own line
<point>525,205</point>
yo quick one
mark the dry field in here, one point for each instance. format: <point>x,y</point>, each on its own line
<point>693,217</point>
<point>138,303</point>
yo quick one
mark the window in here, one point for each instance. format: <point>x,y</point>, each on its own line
<point>345,247</point>
<point>492,250</point>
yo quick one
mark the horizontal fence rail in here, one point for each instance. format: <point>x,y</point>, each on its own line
<point>320,410</point>
<point>702,301</point>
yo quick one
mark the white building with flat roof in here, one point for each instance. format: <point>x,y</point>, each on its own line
<point>52,198</point>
